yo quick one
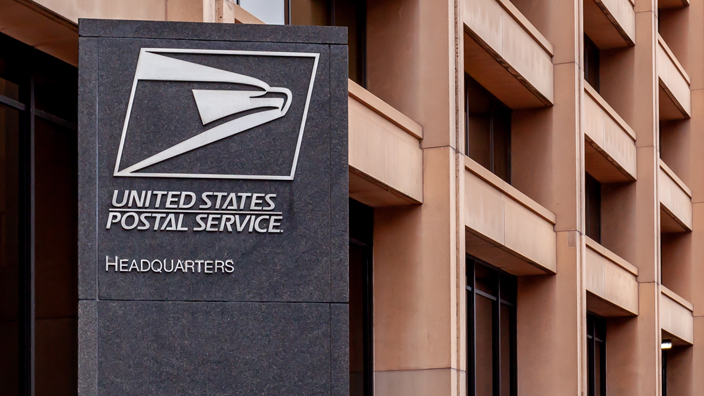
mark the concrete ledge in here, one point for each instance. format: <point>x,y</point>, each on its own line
<point>672,3</point>
<point>610,23</point>
<point>675,99</point>
<point>611,282</point>
<point>43,29</point>
<point>507,55</point>
<point>243,16</point>
<point>676,317</point>
<point>679,300</point>
<point>385,110</point>
<point>527,26</point>
<point>675,201</point>
<point>385,158</point>
<point>611,149</point>
<point>418,382</point>
<point>506,228</point>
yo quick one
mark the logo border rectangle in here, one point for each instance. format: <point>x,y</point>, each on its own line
<point>288,177</point>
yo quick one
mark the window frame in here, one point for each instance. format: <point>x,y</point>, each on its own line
<point>498,303</point>
<point>496,106</point>
<point>33,64</point>
<point>664,373</point>
<point>592,194</point>
<point>592,340</point>
<point>361,37</point>
<point>287,10</point>
<point>362,236</point>
<point>592,51</point>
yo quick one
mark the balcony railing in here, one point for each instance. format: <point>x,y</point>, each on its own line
<point>507,55</point>
<point>676,316</point>
<point>611,282</point>
<point>385,158</point>
<point>611,148</point>
<point>610,23</point>
<point>673,3</point>
<point>675,95</point>
<point>675,201</point>
<point>505,227</point>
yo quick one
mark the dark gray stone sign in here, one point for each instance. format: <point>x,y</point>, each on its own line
<point>213,209</point>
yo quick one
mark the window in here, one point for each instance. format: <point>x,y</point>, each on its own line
<point>361,300</point>
<point>488,130</point>
<point>593,207</point>
<point>491,331</point>
<point>348,13</point>
<point>38,226</point>
<point>664,372</point>
<point>591,63</point>
<point>596,352</point>
<point>271,12</point>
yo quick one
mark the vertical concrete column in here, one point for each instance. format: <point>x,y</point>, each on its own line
<point>679,28</point>
<point>694,65</point>
<point>552,308</point>
<point>634,356</point>
<point>418,263</point>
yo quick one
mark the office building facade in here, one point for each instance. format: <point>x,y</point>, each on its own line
<point>524,181</point>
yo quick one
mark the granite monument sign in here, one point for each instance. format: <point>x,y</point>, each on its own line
<point>213,202</point>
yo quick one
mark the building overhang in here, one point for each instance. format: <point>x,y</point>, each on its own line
<point>506,228</point>
<point>610,149</point>
<point>676,317</point>
<point>507,55</point>
<point>610,23</point>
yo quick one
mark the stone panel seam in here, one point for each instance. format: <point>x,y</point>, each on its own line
<point>88,27</point>
<point>97,222</point>
<point>420,369</point>
<point>330,208</point>
<point>95,174</point>
<point>197,39</point>
<point>221,301</point>
<point>330,340</point>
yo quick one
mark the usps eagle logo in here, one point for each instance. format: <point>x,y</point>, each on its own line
<point>228,104</point>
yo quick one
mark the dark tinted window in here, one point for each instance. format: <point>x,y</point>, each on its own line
<point>593,207</point>
<point>596,353</point>
<point>488,130</point>
<point>591,63</point>
<point>664,373</point>
<point>361,300</point>
<point>348,13</point>
<point>38,230</point>
<point>491,328</point>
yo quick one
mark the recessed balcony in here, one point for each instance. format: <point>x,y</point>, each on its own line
<point>507,55</point>
<point>675,202</point>
<point>385,158</point>
<point>676,317</point>
<point>611,142</point>
<point>673,3</point>
<point>675,99</point>
<point>506,228</point>
<point>610,23</point>
<point>611,282</point>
